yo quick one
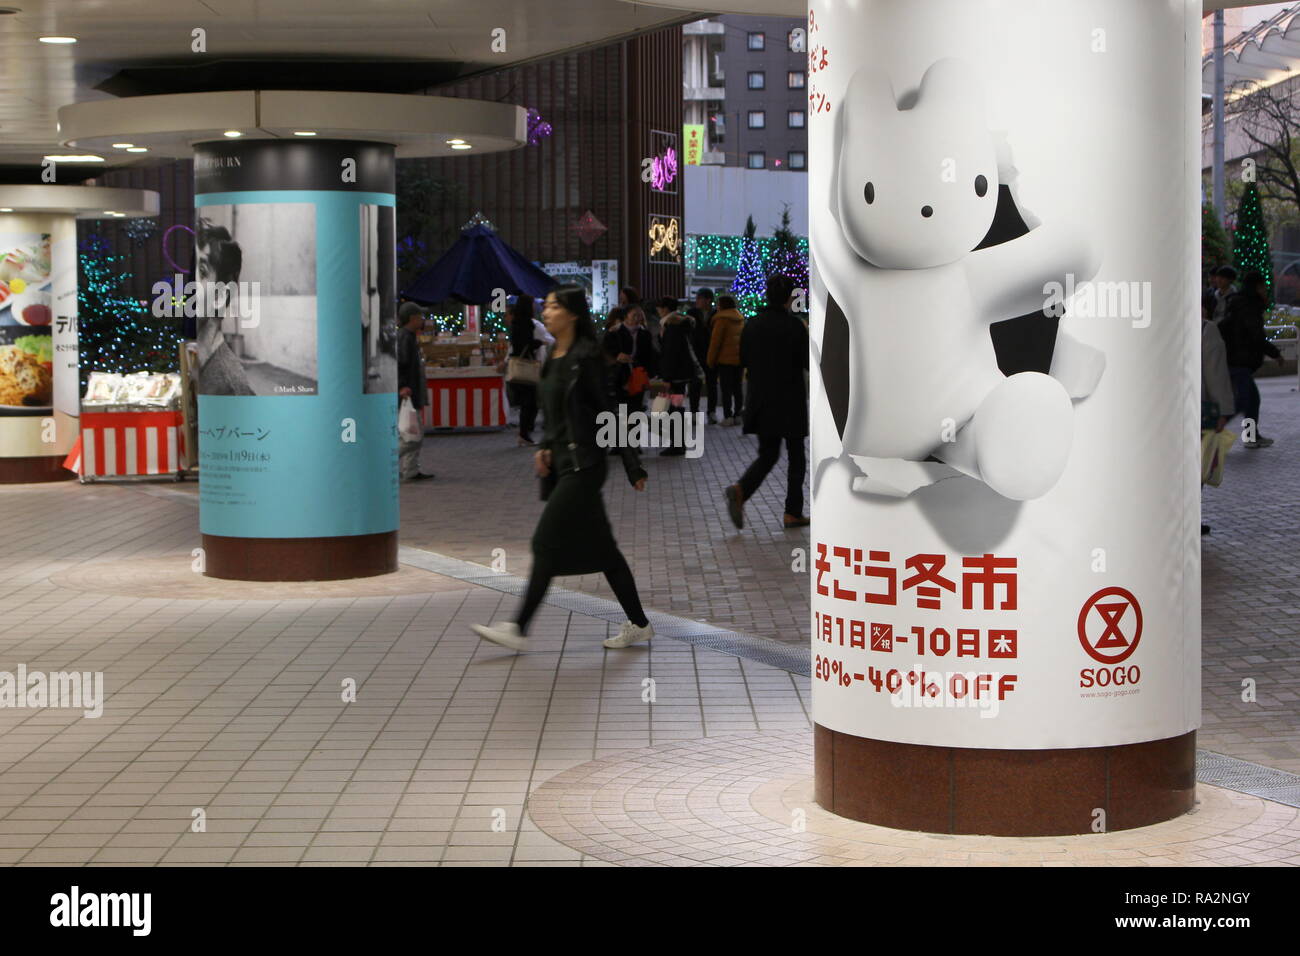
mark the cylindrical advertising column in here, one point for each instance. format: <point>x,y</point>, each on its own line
<point>1006,406</point>
<point>295,298</point>
<point>38,345</point>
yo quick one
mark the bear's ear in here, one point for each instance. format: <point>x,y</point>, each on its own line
<point>953,86</point>
<point>870,97</point>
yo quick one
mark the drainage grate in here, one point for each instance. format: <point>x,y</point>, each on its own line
<point>793,659</point>
<point>1220,770</point>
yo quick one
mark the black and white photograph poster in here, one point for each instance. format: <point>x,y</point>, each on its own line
<point>257,319</point>
<point>378,300</point>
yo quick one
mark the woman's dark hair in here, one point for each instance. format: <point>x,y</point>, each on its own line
<point>633,296</point>
<point>726,302</point>
<point>616,314</point>
<point>1252,279</point>
<point>573,299</point>
<point>521,324</point>
<point>670,303</point>
<point>1209,301</point>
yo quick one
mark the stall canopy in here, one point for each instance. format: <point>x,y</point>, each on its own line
<point>477,264</point>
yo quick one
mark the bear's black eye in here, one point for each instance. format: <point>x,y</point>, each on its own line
<point>870,193</point>
<point>981,186</point>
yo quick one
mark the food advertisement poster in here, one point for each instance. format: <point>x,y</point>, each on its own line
<point>26,314</point>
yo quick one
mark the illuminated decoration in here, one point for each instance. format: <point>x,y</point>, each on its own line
<point>785,257</point>
<point>693,134</point>
<point>750,275</point>
<point>589,228</point>
<point>715,253</point>
<point>663,164</point>
<point>140,231</point>
<point>166,248</point>
<point>538,128</point>
<point>116,332</point>
<point>664,170</point>
<point>478,219</point>
<point>1250,249</point>
<point>665,240</point>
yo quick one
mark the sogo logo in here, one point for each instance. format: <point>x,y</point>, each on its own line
<point>1110,626</point>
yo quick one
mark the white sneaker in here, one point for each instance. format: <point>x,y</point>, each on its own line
<point>505,633</point>
<point>629,635</point>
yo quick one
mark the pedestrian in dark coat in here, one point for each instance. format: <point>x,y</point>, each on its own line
<point>1247,344</point>
<point>574,534</point>
<point>774,352</point>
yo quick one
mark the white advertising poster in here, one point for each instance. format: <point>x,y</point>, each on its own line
<point>604,285</point>
<point>1006,381</point>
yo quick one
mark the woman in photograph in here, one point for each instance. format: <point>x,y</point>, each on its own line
<point>574,535</point>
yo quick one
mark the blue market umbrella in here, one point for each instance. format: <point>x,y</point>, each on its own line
<point>477,264</point>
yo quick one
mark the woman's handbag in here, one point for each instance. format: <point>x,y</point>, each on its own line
<point>523,371</point>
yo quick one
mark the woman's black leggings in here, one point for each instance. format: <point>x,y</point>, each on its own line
<point>620,581</point>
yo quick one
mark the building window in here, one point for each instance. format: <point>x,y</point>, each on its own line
<point>758,119</point>
<point>717,124</point>
<point>794,80</point>
<point>795,119</point>
<point>798,160</point>
<point>758,160</point>
<point>758,80</point>
<point>757,41</point>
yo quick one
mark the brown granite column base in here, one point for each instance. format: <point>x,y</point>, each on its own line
<point>299,559</point>
<point>1003,792</point>
<point>23,471</point>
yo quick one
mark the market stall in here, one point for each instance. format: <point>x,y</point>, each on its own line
<point>465,388</point>
<point>131,426</point>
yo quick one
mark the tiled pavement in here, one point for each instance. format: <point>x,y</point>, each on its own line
<point>228,699</point>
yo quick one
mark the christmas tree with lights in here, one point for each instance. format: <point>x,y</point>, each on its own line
<point>750,276</point>
<point>1250,250</point>
<point>115,332</point>
<point>1215,248</point>
<point>786,258</point>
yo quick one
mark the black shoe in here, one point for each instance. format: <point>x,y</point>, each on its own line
<point>419,476</point>
<point>1205,529</point>
<point>735,505</point>
<point>672,452</point>
<point>796,521</point>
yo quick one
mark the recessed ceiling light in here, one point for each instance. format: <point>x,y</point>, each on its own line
<point>74,158</point>
<point>6,208</point>
<point>123,145</point>
<point>137,149</point>
<point>58,39</point>
<point>461,146</point>
<point>304,132</point>
<point>454,142</point>
<point>233,133</point>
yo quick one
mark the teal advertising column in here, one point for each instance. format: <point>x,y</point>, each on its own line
<point>295,297</point>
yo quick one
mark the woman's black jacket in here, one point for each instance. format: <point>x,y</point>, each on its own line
<point>585,399</point>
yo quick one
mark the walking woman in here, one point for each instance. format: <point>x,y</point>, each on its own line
<point>574,535</point>
<point>528,340</point>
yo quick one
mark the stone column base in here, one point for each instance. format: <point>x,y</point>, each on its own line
<point>21,471</point>
<point>1004,792</point>
<point>300,559</point>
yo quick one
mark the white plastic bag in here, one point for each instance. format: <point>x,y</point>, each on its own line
<point>409,426</point>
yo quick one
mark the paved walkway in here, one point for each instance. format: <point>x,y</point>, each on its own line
<point>226,702</point>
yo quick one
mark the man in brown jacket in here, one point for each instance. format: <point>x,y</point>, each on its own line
<point>724,358</point>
